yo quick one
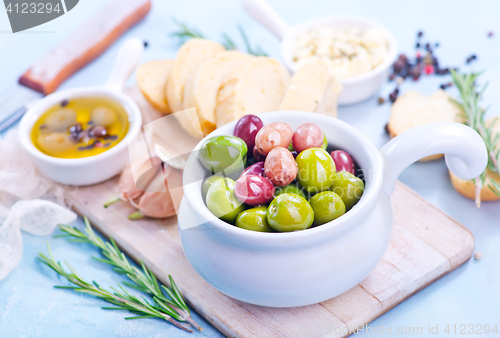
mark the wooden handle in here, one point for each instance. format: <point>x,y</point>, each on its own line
<point>85,44</point>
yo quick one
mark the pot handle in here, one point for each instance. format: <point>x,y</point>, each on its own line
<point>261,11</point>
<point>128,57</point>
<point>465,152</point>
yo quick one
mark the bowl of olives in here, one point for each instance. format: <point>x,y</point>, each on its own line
<point>80,136</point>
<point>293,208</point>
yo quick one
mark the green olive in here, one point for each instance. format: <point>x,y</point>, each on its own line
<point>327,206</point>
<point>292,188</point>
<point>254,219</point>
<point>316,170</point>
<point>226,154</point>
<point>207,183</point>
<point>60,119</point>
<point>222,202</point>
<point>348,187</point>
<point>325,142</point>
<point>55,144</point>
<point>289,212</point>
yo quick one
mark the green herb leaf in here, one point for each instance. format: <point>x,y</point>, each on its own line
<point>142,279</point>
<point>474,116</point>
<point>185,32</point>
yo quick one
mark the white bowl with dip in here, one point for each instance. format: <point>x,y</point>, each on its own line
<point>356,88</point>
<point>304,267</point>
<point>97,168</point>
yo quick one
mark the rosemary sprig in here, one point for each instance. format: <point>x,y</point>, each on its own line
<point>143,280</point>
<point>185,32</point>
<point>257,51</point>
<point>495,187</point>
<point>474,116</point>
<point>228,42</point>
<point>122,299</point>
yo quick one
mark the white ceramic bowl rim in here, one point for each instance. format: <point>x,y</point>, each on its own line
<point>192,192</point>
<point>33,113</point>
<point>288,43</point>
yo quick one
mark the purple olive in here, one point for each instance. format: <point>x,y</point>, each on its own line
<point>254,190</point>
<point>246,129</point>
<point>343,161</point>
<point>258,156</point>
<point>254,169</point>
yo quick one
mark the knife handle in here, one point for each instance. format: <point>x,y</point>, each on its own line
<point>85,44</point>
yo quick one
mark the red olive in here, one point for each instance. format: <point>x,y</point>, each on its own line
<point>254,169</point>
<point>307,135</point>
<point>343,161</point>
<point>254,190</point>
<point>247,128</point>
<point>280,166</point>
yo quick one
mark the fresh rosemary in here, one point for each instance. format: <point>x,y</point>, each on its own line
<point>257,51</point>
<point>171,308</point>
<point>474,116</point>
<point>185,32</point>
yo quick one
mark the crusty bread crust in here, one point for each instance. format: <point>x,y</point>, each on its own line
<point>152,80</point>
<point>214,75</point>
<point>260,88</point>
<point>188,61</point>
<point>180,84</point>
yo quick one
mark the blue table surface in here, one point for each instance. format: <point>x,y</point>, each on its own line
<point>31,307</point>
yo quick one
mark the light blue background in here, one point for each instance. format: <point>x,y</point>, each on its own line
<point>30,307</point>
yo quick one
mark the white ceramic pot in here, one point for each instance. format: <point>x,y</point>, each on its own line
<point>97,168</point>
<point>313,265</point>
<point>356,88</point>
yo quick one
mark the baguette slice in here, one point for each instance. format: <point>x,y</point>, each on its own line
<point>467,188</point>
<point>188,61</point>
<point>152,80</point>
<point>216,74</point>
<point>260,88</point>
<point>413,109</point>
<point>314,89</point>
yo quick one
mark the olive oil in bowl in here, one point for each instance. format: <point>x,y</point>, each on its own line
<point>82,127</point>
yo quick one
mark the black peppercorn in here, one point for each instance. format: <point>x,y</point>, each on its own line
<point>98,132</point>
<point>394,95</point>
<point>76,128</point>
<point>399,66</point>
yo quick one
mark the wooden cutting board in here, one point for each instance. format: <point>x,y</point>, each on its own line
<point>426,244</point>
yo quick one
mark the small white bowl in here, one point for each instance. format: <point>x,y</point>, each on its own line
<point>356,88</point>
<point>97,168</point>
<point>310,266</point>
